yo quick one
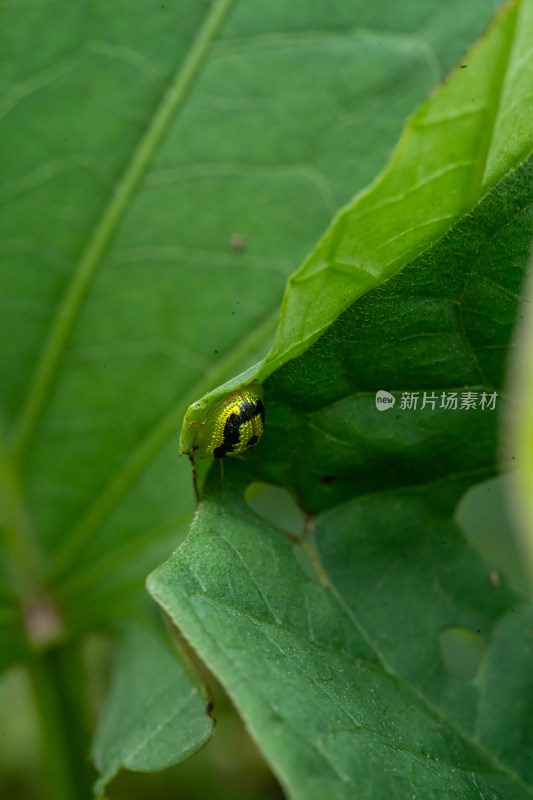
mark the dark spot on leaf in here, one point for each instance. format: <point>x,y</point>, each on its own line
<point>328,478</point>
<point>237,242</point>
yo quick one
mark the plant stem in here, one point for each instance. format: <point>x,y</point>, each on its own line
<point>57,680</point>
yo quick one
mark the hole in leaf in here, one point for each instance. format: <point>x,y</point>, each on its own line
<point>486,519</point>
<point>275,505</point>
<point>461,650</point>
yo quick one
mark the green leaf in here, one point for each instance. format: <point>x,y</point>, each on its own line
<point>439,166</point>
<point>154,712</point>
<point>165,167</point>
<point>373,677</point>
<point>347,679</point>
<point>454,149</point>
<point>118,271</point>
<point>511,136</point>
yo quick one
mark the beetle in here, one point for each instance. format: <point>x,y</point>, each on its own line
<point>233,426</point>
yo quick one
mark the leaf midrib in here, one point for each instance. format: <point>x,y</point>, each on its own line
<point>68,311</point>
<point>149,445</point>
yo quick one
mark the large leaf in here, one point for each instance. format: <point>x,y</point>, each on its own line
<point>363,652</point>
<point>142,146</point>
<point>454,149</point>
<point>136,144</point>
<point>344,679</point>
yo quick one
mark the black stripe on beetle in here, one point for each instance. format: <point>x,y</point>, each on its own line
<point>232,428</point>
